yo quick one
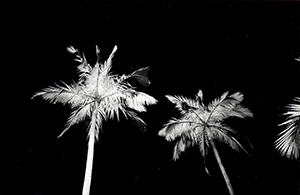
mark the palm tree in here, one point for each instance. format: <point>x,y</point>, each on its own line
<point>201,125</point>
<point>288,142</point>
<point>99,95</point>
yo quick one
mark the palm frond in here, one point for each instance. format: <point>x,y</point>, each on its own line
<point>107,65</point>
<point>176,127</point>
<point>141,75</point>
<point>203,144</point>
<point>226,135</point>
<point>138,100</point>
<point>180,146</point>
<point>288,142</point>
<point>138,122</point>
<point>227,106</point>
<point>191,137</point>
<point>68,94</point>
<point>293,110</point>
<point>79,58</point>
<point>80,114</point>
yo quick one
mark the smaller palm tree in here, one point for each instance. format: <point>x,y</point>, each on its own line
<point>201,125</point>
<point>288,142</point>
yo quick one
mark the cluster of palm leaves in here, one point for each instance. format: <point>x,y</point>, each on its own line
<point>288,142</point>
<point>99,95</point>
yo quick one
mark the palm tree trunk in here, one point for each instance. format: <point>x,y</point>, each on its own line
<point>228,183</point>
<point>90,156</point>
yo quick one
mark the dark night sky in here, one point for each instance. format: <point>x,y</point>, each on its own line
<point>214,46</point>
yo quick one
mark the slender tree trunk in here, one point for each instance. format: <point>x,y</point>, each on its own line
<point>228,183</point>
<point>90,156</point>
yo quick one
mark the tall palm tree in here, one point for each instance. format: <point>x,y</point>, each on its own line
<point>98,96</point>
<point>201,125</point>
<point>288,142</point>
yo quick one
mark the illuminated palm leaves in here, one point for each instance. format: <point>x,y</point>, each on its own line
<point>199,123</point>
<point>109,95</point>
<point>288,142</point>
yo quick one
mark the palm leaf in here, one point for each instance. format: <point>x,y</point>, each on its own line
<point>138,100</point>
<point>68,94</point>
<point>288,141</point>
<point>141,75</point>
<point>136,120</point>
<point>107,65</point>
<point>80,114</point>
<point>175,128</point>
<point>227,106</point>
<point>180,146</point>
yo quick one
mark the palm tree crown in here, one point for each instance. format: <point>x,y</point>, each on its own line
<point>201,124</point>
<point>97,89</point>
<point>288,142</point>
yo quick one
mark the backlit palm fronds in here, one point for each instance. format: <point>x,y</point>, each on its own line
<point>228,106</point>
<point>112,92</point>
<point>226,134</point>
<point>201,125</point>
<point>176,127</point>
<point>68,94</point>
<point>138,101</point>
<point>197,119</point>
<point>141,75</point>
<point>288,142</point>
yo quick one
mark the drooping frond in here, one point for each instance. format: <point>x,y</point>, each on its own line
<point>141,75</point>
<point>83,68</point>
<point>138,100</point>
<point>80,114</point>
<point>138,122</point>
<point>288,142</point>
<point>226,134</point>
<point>227,106</point>
<point>189,138</point>
<point>176,127</point>
<point>222,134</point>
<point>68,94</point>
<point>180,146</point>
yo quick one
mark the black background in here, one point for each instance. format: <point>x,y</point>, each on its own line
<point>248,47</point>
